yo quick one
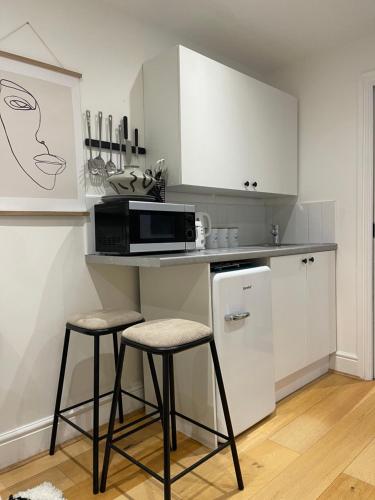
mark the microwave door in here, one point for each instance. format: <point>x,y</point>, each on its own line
<point>156,230</point>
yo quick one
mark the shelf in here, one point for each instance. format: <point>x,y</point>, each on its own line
<point>41,213</point>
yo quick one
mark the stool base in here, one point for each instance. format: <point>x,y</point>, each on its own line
<point>168,410</point>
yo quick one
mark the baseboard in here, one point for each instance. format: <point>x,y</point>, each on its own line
<point>345,362</point>
<point>24,442</point>
<point>297,380</point>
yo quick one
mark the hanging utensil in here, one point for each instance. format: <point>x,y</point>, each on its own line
<point>110,166</point>
<point>136,141</point>
<point>120,151</point>
<point>91,163</point>
<point>128,144</point>
<point>99,162</point>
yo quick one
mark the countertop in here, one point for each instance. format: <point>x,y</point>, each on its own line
<point>208,256</point>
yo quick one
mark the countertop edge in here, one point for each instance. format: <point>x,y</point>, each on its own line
<point>197,257</point>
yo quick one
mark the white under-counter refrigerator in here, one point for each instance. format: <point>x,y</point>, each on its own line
<point>244,342</point>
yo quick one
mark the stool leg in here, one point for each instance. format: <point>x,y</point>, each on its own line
<point>156,384</point>
<point>173,415</point>
<point>166,444</point>
<point>220,384</point>
<point>116,392</point>
<point>115,352</point>
<point>95,436</point>
<point>59,392</point>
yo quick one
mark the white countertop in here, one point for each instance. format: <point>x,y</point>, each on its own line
<point>208,256</point>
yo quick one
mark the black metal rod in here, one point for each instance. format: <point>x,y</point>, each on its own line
<point>200,461</point>
<point>156,384</point>
<point>139,428</point>
<point>95,435</point>
<point>59,392</point>
<point>166,444</point>
<point>115,353</point>
<point>224,402</point>
<point>139,399</point>
<point>213,431</point>
<point>77,427</point>
<point>115,146</point>
<point>139,464</point>
<point>173,406</point>
<point>134,422</point>
<point>112,418</point>
<point>85,402</point>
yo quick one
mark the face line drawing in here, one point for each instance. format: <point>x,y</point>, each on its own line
<point>44,159</point>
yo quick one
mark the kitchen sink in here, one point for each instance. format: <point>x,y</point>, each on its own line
<point>271,245</point>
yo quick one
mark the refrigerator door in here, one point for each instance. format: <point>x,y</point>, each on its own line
<point>243,334</point>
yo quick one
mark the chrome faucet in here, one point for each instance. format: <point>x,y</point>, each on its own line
<point>275,234</point>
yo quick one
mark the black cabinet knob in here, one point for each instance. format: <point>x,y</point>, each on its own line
<point>254,184</point>
<point>247,184</point>
<point>311,259</point>
<point>304,261</point>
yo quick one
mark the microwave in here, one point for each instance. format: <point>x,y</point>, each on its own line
<point>126,227</point>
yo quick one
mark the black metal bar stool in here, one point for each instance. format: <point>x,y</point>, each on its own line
<point>166,338</point>
<point>95,324</point>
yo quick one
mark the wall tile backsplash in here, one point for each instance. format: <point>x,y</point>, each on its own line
<point>309,222</point>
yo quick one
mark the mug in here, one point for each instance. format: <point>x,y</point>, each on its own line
<point>212,238</point>
<point>233,237</point>
<point>223,237</point>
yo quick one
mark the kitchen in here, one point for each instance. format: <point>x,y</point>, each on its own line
<point>56,279</point>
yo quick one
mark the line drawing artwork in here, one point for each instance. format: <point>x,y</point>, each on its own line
<point>21,118</point>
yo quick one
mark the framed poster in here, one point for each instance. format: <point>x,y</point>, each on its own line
<point>41,152</point>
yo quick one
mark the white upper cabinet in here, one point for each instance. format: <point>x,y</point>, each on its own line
<point>217,128</point>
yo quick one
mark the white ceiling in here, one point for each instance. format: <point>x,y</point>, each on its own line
<point>258,34</point>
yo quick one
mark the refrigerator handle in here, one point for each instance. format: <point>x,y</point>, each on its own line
<point>236,316</point>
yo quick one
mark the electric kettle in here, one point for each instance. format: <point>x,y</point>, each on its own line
<point>203,228</point>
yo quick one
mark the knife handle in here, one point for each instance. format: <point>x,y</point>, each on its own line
<point>125,127</point>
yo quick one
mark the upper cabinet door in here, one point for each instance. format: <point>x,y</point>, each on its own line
<point>236,132</point>
<point>217,128</point>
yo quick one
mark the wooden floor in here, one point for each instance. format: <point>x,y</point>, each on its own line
<point>320,443</point>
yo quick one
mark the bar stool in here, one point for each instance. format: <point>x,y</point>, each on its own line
<point>167,337</point>
<point>94,324</point>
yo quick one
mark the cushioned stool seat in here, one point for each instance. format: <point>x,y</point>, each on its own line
<point>166,332</point>
<point>105,318</point>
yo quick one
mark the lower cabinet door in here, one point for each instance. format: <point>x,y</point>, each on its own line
<point>289,299</point>
<point>321,305</point>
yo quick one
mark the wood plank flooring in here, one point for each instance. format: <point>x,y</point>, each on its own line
<point>319,443</point>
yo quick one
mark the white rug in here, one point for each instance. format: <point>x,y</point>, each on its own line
<point>45,491</point>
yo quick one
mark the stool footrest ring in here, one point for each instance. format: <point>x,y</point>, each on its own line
<point>208,429</point>
<point>177,476</point>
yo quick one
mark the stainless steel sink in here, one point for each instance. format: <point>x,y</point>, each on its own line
<point>271,245</point>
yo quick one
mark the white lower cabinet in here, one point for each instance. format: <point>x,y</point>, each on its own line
<point>303,310</point>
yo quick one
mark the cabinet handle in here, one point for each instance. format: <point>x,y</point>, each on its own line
<point>304,261</point>
<point>255,184</point>
<point>236,316</point>
<point>311,259</point>
<point>247,184</point>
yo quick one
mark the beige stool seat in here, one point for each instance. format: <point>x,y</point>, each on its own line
<point>167,332</point>
<point>105,318</point>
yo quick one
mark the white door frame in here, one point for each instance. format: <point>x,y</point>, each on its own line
<point>365,217</point>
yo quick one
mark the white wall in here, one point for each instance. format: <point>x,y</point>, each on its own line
<point>327,87</point>
<point>44,277</point>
